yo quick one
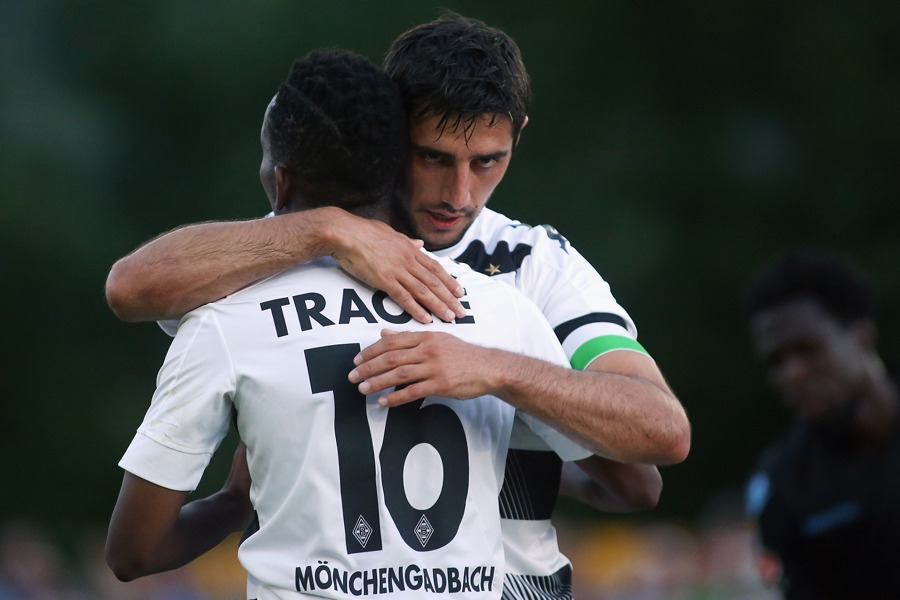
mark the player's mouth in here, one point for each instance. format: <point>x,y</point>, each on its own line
<point>441,221</point>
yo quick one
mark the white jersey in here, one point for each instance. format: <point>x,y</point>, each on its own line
<point>541,264</point>
<point>588,322</point>
<point>352,498</point>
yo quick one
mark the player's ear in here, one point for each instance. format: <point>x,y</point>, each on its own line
<point>519,134</point>
<point>283,186</point>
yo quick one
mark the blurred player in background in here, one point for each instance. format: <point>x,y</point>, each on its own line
<point>827,496</point>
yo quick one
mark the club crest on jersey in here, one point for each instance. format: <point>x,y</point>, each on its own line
<point>362,531</point>
<point>424,530</point>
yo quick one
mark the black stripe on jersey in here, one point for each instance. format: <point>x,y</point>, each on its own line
<point>530,485</point>
<point>564,329</point>
<point>539,587</point>
<point>502,260</point>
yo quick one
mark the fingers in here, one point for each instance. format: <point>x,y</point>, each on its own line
<point>404,382</point>
<point>392,355</point>
<point>416,282</point>
<point>402,340</point>
<point>397,360</point>
<point>400,294</point>
<point>428,288</point>
<point>418,364</point>
<point>389,261</point>
<point>388,371</point>
<point>443,284</point>
<point>410,393</point>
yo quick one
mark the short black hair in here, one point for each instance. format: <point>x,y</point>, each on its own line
<point>828,280</point>
<point>339,126</point>
<point>460,69</point>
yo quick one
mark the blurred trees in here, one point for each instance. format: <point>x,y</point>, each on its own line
<point>679,146</point>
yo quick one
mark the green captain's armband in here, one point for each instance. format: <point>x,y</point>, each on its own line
<point>593,348</point>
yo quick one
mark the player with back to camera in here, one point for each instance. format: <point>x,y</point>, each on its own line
<point>463,132</point>
<point>348,502</point>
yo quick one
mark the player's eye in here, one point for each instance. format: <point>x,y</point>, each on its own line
<point>432,157</point>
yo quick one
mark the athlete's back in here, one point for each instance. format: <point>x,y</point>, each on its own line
<point>352,498</point>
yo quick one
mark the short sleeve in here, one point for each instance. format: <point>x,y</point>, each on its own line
<point>190,412</point>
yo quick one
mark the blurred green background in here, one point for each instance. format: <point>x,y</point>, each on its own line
<point>680,146</point>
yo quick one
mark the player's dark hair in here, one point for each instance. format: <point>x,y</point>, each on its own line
<point>460,69</point>
<point>828,280</point>
<point>339,126</point>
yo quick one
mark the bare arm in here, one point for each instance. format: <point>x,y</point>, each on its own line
<point>620,408</point>
<point>152,530</point>
<point>201,263</point>
<point>611,486</point>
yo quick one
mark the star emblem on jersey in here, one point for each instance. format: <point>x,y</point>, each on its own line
<point>501,259</point>
<point>362,531</point>
<point>424,530</point>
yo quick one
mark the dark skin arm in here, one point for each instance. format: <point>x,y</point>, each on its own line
<point>611,486</point>
<point>152,530</point>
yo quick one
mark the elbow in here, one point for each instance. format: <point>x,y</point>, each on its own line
<point>126,557</point>
<point>646,490</point>
<point>676,453</point>
<point>125,567</point>
<point>645,498</point>
<point>647,501</point>
<point>120,292</point>
<point>123,574</point>
<point>648,498</point>
<point>677,448</point>
<point>682,446</point>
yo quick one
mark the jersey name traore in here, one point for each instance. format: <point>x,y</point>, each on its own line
<point>352,498</point>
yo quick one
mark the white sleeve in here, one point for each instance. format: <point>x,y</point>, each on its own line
<point>539,341</point>
<point>170,326</point>
<point>529,433</point>
<point>191,409</point>
<point>575,299</point>
<point>566,449</point>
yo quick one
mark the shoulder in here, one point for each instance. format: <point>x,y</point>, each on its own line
<point>479,285</point>
<point>504,304</point>
<point>236,314</point>
<point>492,227</point>
<point>318,273</point>
<point>497,244</point>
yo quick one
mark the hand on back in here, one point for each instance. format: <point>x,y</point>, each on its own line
<point>421,364</point>
<point>389,261</point>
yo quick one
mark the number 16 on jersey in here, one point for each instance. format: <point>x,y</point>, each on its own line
<point>406,426</point>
